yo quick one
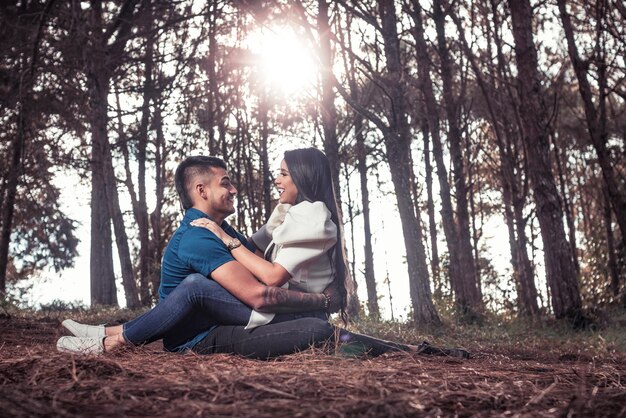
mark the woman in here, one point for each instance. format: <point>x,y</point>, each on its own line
<point>302,246</point>
<point>301,241</point>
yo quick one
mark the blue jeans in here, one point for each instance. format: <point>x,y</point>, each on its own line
<point>190,311</point>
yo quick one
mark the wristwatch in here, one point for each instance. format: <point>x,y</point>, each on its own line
<point>233,243</point>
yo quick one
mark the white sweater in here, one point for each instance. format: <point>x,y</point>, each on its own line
<point>301,234</point>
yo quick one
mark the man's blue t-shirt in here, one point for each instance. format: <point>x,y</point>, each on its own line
<point>191,250</point>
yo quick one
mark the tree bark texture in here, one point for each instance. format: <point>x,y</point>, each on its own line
<point>432,111</point>
<point>370,279</point>
<point>513,193</point>
<point>397,143</point>
<point>102,276</point>
<point>329,126</point>
<point>470,297</point>
<point>141,209</point>
<point>560,270</point>
<point>596,117</point>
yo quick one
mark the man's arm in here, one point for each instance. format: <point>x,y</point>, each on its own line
<point>241,283</point>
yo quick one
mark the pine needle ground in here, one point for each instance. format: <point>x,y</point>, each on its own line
<point>516,370</point>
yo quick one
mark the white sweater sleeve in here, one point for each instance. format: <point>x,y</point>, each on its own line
<point>263,237</point>
<point>306,233</point>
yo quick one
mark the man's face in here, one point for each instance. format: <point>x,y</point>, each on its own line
<point>221,193</point>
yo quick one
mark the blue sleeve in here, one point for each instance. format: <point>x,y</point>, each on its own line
<point>203,251</point>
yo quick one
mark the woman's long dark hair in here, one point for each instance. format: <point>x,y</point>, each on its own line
<point>309,169</point>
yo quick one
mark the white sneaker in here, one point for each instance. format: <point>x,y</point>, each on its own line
<point>82,330</point>
<point>81,345</point>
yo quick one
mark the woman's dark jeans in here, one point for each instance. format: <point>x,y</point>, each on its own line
<point>194,307</point>
<point>288,337</point>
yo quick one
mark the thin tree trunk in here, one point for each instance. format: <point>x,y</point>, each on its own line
<point>158,239</point>
<point>610,244</point>
<point>560,269</point>
<point>18,143</point>
<point>447,213</point>
<point>350,205</point>
<point>104,199</point>
<point>432,223</point>
<point>264,156</point>
<point>141,210</point>
<point>513,198</point>
<point>327,108</point>
<point>470,298</point>
<point>212,94</point>
<point>329,126</point>
<point>361,157</point>
<point>103,290</point>
<point>370,279</point>
<point>596,117</point>
<point>121,238</point>
<point>397,143</point>
<point>569,216</point>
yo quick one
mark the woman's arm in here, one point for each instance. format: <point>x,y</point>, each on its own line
<point>272,274</point>
<point>239,282</point>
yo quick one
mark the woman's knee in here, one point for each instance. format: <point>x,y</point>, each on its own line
<point>319,328</point>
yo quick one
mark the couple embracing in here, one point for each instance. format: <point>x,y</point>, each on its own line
<point>260,297</point>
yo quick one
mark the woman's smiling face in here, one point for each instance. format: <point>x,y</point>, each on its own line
<point>286,187</point>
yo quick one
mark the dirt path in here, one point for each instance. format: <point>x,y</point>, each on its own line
<point>35,380</point>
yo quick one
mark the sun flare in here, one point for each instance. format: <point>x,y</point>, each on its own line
<point>286,61</point>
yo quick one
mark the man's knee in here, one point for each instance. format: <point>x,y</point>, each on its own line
<point>196,279</point>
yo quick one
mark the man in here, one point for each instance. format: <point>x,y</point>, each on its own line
<point>203,287</point>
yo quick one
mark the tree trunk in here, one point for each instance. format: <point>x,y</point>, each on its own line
<point>513,194</point>
<point>569,216</point>
<point>329,125</point>
<point>104,198</point>
<point>397,143</point>
<point>350,205</point>
<point>610,244</point>
<point>560,270</point>
<point>8,204</point>
<point>447,213</point>
<point>432,224</point>
<point>469,297</point>
<point>103,290</point>
<point>264,157</point>
<point>8,192</point>
<point>141,209</point>
<point>596,118</point>
<point>159,241</point>
<point>327,108</point>
<point>370,279</point>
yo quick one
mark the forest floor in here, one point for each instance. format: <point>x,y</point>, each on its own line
<point>516,370</point>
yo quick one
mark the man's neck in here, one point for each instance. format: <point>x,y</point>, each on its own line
<point>218,218</point>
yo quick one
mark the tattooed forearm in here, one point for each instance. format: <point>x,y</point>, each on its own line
<point>279,300</point>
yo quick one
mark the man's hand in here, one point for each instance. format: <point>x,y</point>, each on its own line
<point>335,297</point>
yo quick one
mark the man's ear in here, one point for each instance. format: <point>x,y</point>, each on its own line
<point>200,190</point>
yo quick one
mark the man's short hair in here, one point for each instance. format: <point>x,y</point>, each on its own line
<point>188,169</point>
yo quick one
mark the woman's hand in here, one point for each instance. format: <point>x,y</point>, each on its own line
<point>332,292</point>
<point>213,227</point>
